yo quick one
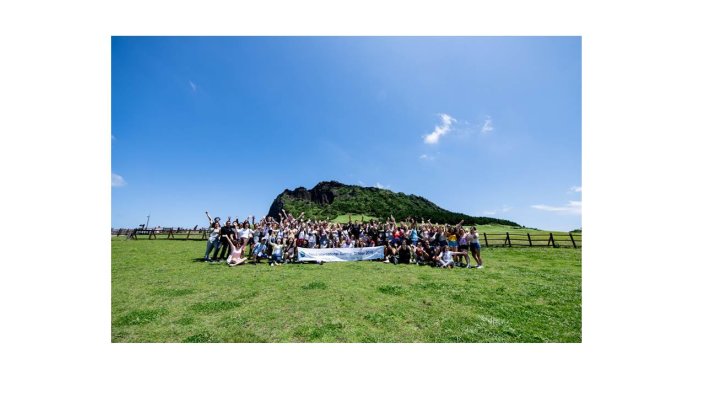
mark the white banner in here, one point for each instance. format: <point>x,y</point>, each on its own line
<point>341,254</point>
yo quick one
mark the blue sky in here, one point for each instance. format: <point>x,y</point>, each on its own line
<point>488,126</point>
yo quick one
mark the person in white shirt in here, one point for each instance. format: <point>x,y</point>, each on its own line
<point>445,260</point>
<point>474,240</point>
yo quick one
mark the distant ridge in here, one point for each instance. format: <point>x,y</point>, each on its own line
<point>331,199</point>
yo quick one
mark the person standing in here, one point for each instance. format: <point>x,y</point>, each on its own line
<point>224,251</point>
<point>474,240</point>
<point>213,237</point>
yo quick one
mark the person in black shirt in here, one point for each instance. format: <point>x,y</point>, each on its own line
<point>226,230</point>
<point>404,253</point>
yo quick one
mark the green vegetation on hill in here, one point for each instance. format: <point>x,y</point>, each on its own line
<point>332,199</point>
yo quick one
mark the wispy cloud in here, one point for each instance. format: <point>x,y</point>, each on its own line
<point>573,207</point>
<point>440,130</point>
<point>193,85</point>
<point>576,189</point>
<point>117,180</point>
<point>496,211</point>
<point>381,186</point>
<point>426,157</point>
<point>112,137</point>
<point>487,127</point>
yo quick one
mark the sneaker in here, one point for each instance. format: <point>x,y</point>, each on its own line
<point>479,267</point>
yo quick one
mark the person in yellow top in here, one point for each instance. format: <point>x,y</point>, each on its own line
<point>452,236</point>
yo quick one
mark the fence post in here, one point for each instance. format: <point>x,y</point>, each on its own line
<point>188,234</point>
<point>529,236</point>
<point>573,240</point>
<point>487,243</point>
<point>508,240</point>
<point>551,240</point>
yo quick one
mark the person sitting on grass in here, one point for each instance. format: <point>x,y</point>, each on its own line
<point>404,253</point>
<point>276,253</point>
<point>236,252</point>
<point>260,250</point>
<point>391,253</point>
<point>422,256</point>
<point>445,260</point>
<point>290,251</point>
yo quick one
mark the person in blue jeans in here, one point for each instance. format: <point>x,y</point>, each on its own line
<point>213,237</point>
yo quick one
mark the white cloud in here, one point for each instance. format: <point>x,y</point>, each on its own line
<point>576,189</point>
<point>496,211</point>
<point>426,157</point>
<point>573,207</point>
<point>446,123</point>
<point>381,186</point>
<point>193,85</point>
<point>487,127</point>
<point>118,181</point>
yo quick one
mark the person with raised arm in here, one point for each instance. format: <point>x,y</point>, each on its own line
<point>213,237</point>
<point>277,252</point>
<point>236,252</point>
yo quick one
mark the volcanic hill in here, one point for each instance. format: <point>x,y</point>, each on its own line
<point>331,199</point>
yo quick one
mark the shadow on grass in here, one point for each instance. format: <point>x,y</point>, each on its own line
<point>313,333</point>
<point>139,317</point>
<point>391,289</point>
<point>215,306</point>
<point>315,285</point>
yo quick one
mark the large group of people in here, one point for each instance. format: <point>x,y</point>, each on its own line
<point>277,242</point>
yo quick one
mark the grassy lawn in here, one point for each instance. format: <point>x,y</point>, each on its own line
<point>161,292</point>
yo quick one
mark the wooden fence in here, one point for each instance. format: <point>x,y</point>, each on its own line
<point>162,234</point>
<point>549,239</point>
<point>555,240</point>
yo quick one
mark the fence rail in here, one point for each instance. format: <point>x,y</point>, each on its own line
<point>168,233</point>
<point>555,240</point>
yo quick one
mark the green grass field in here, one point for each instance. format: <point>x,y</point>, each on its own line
<point>161,292</point>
